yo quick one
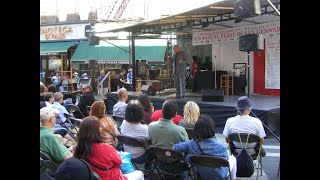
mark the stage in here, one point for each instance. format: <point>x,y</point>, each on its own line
<point>267,108</point>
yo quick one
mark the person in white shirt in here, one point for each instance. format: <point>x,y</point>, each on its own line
<point>244,123</point>
<point>132,127</point>
<point>58,98</point>
<point>120,107</point>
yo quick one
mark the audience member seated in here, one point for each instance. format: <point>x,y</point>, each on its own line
<point>204,138</point>
<point>132,127</point>
<point>147,108</point>
<point>61,119</point>
<point>191,114</point>
<point>86,99</point>
<point>108,127</point>
<point>52,88</point>
<point>48,98</point>
<point>50,143</point>
<point>102,157</point>
<point>42,91</point>
<point>156,115</point>
<point>120,107</point>
<point>164,133</point>
<point>244,123</point>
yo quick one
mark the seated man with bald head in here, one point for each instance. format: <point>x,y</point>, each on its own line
<point>119,108</point>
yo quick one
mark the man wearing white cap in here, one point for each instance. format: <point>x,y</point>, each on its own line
<point>50,143</point>
<point>244,123</point>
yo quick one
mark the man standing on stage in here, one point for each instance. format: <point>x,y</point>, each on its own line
<point>104,84</point>
<point>179,69</point>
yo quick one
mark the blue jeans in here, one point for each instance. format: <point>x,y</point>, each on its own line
<point>144,158</point>
<point>58,129</point>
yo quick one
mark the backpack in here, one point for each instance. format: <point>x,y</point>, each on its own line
<point>245,167</point>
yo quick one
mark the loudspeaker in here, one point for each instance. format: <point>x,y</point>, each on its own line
<point>213,95</point>
<point>147,89</point>
<point>141,68</point>
<point>246,8</point>
<point>92,63</point>
<point>251,42</point>
<point>94,40</point>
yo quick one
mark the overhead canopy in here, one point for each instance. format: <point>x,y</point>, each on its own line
<point>116,55</point>
<point>218,15</point>
<point>54,48</point>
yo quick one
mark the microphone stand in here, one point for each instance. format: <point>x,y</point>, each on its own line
<point>268,128</point>
<point>273,135</point>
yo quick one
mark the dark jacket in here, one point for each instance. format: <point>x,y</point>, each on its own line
<point>86,100</point>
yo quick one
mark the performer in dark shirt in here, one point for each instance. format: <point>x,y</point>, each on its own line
<point>121,81</point>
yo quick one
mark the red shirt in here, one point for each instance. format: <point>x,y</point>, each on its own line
<point>106,156</point>
<point>158,114</point>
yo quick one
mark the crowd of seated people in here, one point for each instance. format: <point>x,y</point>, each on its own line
<point>162,128</point>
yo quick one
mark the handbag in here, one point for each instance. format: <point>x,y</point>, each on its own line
<point>126,166</point>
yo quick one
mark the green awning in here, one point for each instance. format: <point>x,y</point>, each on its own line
<point>54,48</point>
<point>116,55</point>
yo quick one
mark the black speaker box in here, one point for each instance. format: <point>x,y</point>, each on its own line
<point>251,42</point>
<point>141,68</point>
<point>246,8</point>
<point>214,95</point>
<point>94,40</point>
<point>147,89</point>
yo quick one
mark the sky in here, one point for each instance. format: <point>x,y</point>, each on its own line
<point>148,9</point>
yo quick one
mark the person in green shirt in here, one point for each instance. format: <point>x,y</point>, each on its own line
<point>165,134</point>
<point>49,142</point>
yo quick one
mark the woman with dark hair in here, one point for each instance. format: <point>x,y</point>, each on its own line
<point>52,88</point>
<point>131,126</point>
<point>204,142</point>
<point>48,98</point>
<point>108,127</point>
<point>147,108</point>
<point>102,157</point>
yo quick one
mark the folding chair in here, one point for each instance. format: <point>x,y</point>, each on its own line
<point>68,120</point>
<point>189,132</point>
<point>118,121</point>
<point>75,108</point>
<point>135,142</point>
<point>252,138</point>
<point>88,109</point>
<point>47,162</point>
<point>166,156</point>
<point>209,161</point>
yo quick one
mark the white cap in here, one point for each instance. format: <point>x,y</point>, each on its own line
<point>47,112</point>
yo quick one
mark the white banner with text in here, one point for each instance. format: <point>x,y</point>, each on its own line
<point>269,30</point>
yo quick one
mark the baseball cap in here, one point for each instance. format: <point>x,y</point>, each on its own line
<point>47,112</point>
<point>244,103</point>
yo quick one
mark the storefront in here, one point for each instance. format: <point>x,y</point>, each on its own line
<point>57,45</point>
<point>113,58</point>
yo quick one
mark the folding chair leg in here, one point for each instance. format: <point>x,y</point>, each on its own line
<point>278,170</point>
<point>260,166</point>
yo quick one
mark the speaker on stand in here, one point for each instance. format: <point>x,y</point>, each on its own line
<point>248,43</point>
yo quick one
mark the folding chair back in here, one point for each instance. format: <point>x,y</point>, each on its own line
<point>252,138</point>
<point>118,120</point>
<point>170,156</point>
<point>132,141</point>
<point>47,162</point>
<point>210,161</point>
<point>75,108</point>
